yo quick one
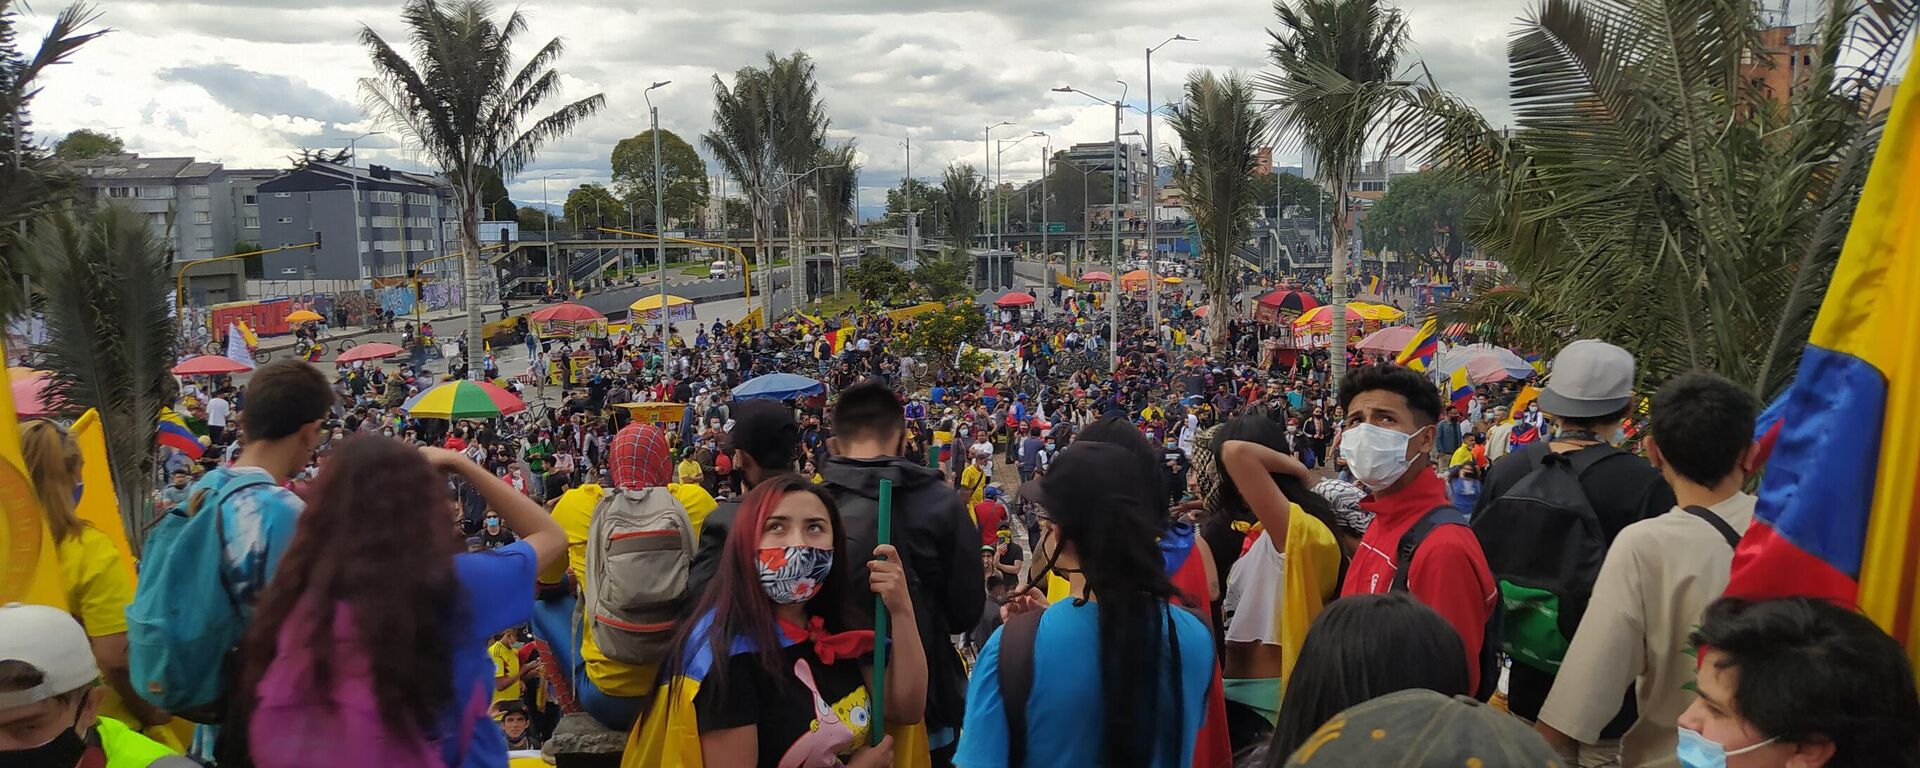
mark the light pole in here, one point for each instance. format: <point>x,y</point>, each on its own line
<point>1000,207</point>
<point>1153,195</point>
<point>766,296</point>
<point>1113,286</point>
<point>546,226</point>
<point>907,184</point>
<point>1046,167</point>
<point>659,220</point>
<point>986,174</point>
<point>359,243</point>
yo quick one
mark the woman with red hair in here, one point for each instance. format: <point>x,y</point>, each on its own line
<point>769,672</point>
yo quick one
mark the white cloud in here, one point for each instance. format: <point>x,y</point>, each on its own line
<point>249,82</point>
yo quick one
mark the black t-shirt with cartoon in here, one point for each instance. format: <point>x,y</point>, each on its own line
<point>812,717</point>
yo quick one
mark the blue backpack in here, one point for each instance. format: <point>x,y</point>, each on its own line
<point>184,621</point>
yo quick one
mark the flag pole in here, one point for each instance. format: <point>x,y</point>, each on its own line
<point>880,616</point>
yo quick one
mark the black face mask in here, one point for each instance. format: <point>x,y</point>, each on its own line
<point>62,751</point>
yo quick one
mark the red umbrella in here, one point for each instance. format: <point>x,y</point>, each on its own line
<point>1096,277</point>
<point>566,312</point>
<point>30,396</point>
<point>1294,300</point>
<point>1388,341</point>
<point>373,350</point>
<point>208,365</point>
<point>1203,311</point>
<point>1015,299</point>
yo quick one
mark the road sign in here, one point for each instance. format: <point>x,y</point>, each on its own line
<point>1488,265</point>
<point>1056,226</point>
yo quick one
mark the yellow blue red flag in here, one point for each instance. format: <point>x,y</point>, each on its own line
<point>1459,390</point>
<point>1836,516</point>
<point>1420,349</point>
<point>175,434</point>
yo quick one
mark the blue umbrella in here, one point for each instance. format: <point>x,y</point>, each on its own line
<point>777,386</point>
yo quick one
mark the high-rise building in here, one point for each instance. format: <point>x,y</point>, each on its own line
<point>1783,61</point>
<point>243,184</point>
<point>187,205</point>
<point>395,218</point>
<point>1099,157</point>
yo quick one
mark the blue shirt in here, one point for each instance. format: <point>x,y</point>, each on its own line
<point>1064,726</point>
<point>497,586</point>
<point>258,524</point>
<point>937,395</point>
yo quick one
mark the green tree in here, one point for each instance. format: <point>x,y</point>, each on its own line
<point>685,174</point>
<point>924,196</point>
<point>760,123</point>
<point>468,108</point>
<point>837,188</point>
<point>1220,132</point>
<point>1423,216</point>
<point>31,184</point>
<point>87,143</point>
<point>1292,191</point>
<point>1653,193</point>
<point>495,203</point>
<point>959,198</point>
<point>936,337</point>
<point>109,338</point>
<point>252,265</point>
<point>943,277</point>
<point>877,278</point>
<point>592,205</point>
<point>533,220</point>
<point>1334,84</point>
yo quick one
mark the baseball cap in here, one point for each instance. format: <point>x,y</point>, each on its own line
<point>52,642</point>
<point>765,429</point>
<point>1590,378</point>
<point>1417,728</point>
<point>1093,473</point>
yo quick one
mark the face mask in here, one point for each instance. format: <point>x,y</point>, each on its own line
<point>61,751</point>
<point>493,522</point>
<point>1697,751</point>
<point>1377,455</point>
<point>793,574</point>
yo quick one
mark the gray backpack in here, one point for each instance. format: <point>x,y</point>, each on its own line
<point>639,548</point>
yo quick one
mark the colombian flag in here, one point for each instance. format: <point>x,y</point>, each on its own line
<point>1836,515</point>
<point>668,735</point>
<point>175,434</point>
<point>840,339</point>
<point>1422,347</point>
<point>1373,285</point>
<point>247,334</point>
<point>1458,390</point>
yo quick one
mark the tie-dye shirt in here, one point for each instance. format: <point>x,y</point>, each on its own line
<point>258,525</point>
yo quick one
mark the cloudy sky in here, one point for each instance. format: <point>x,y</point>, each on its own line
<point>248,82</point>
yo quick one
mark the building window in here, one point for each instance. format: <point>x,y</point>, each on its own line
<point>156,193</point>
<point>250,222</point>
<point>203,244</point>
<point>283,194</point>
<point>284,220</point>
<point>199,190</point>
<point>202,217</point>
<point>118,192</point>
<point>250,200</point>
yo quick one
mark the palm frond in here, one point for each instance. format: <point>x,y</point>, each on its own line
<point>31,184</point>
<point>110,337</point>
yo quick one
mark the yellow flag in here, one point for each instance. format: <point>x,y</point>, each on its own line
<point>99,503</point>
<point>29,569</point>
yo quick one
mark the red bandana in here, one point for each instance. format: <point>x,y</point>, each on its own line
<point>830,648</point>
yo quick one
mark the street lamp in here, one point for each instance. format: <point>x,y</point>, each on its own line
<point>766,199</point>
<point>359,244</point>
<point>907,184</point>
<point>986,173</point>
<point>659,220</point>
<point>1153,194</point>
<point>1000,208</point>
<point>546,225</point>
<point>1113,286</point>
<point>1046,167</point>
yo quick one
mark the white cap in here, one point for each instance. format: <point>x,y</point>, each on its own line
<point>51,641</point>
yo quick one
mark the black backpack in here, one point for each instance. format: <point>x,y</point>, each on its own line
<point>1483,689</point>
<point>1545,545</point>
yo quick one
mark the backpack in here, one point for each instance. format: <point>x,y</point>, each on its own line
<point>639,549</point>
<point>1490,638</point>
<point>184,622</point>
<point>1544,544</point>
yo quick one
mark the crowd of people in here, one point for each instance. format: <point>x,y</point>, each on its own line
<point>1150,545</point>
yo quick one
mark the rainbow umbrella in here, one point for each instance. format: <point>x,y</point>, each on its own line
<point>464,400</point>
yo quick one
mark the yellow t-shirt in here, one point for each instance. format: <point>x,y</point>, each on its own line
<point>688,471</point>
<point>574,513</point>
<point>98,589</point>
<point>974,482</point>
<point>505,662</point>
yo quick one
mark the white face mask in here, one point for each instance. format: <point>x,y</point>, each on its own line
<point>1376,455</point>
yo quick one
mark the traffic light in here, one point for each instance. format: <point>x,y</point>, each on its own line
<point>316,240</point>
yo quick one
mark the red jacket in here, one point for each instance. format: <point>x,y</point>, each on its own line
<point>1450,572</point>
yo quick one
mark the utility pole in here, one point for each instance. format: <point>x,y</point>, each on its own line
<point>659,224</point>
<point>1153,195</point>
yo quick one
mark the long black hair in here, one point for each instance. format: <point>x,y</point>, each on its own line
<point>1114,529</point>
<point>1361,648</point>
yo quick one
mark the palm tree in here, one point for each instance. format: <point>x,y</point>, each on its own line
<point>798,129</point>
<point>464,104</point>
<point>31,183</point>
<point>1220,135</point>
<point>959,197</point>
<point>838,188</point>
<point>109,344</point>
<point>1654,193</point>
<point>1335,85</point>
<point>741,139</point>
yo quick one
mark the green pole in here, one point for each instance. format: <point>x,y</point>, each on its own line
<point>880,617</point>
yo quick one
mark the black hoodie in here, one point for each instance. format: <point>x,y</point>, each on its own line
<point>940,547</point>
